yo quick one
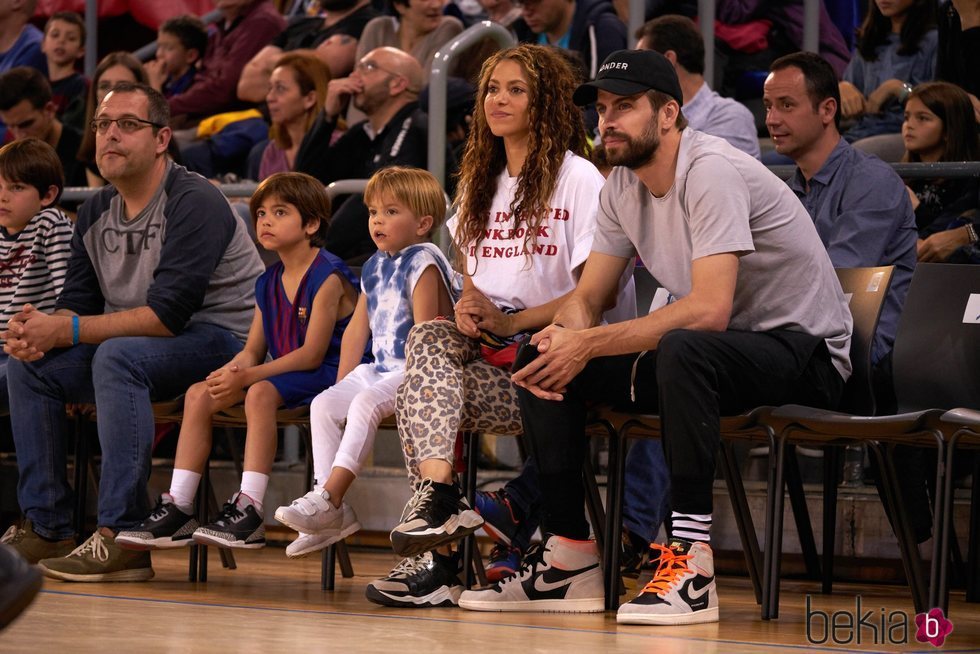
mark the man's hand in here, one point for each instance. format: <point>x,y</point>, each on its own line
<point>31,333</point>
<point>475,312</point>
<point>941,245</point>
<point>155,74</point>
<point>338,90</point>
<point>851,100</point>
<point>561,357</point>
<point>225,381</point>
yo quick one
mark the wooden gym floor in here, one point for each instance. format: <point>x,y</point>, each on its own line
<point>271,604</point>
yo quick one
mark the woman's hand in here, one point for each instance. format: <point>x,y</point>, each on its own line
<point>480,314</point>
<point>941,245</point>
<point>851,100</point>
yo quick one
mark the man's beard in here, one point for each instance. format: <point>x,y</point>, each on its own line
<point>636,153</point>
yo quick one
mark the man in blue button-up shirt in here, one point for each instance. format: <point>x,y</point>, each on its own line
<point>859,205</point>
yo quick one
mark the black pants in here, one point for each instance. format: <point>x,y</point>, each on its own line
<point>691,380</point>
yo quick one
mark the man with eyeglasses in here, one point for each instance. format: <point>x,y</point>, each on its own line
<point>159,292</point>
<point>385,86</point>
<point>27,108</point>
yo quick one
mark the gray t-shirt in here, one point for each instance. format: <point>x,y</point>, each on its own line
<point>186,256</point>
<point>722,201</point>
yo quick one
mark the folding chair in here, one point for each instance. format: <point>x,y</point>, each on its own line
<point>934,361</point>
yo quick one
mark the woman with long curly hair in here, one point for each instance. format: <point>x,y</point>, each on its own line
<point>526,210</point>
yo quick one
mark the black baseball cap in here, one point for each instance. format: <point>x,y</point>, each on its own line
<point>627,72</point>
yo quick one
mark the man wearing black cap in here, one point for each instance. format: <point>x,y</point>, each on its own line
<point>759,318</point>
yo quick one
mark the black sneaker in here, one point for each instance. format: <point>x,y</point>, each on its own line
<point>436,515</point>
<point>167,527</point>
<point>239,525</point>
<point>427,580</point>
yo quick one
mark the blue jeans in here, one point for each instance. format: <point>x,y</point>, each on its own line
<point>4,397</point>
<point>646,493</point>
<point>646,497</point>
<point>122,376</point>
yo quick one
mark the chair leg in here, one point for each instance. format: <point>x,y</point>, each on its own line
<point>900,523</point>
<point>617,480</point>
<point>743,517</point>
<point>973,557</point>
<point>801,514</point>
<point>593,503</point>
<point>328,567</point>
<point>610,574</point>
<point>774,536</point>
<point>81,477</point>
<point>343,557</point>
<point>832,461</point>
<point>471,449</point>
<point>227,555</point>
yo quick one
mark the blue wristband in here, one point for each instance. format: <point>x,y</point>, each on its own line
<point>74,330</point>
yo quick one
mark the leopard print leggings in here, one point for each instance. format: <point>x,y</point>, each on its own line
<point>448,388</point>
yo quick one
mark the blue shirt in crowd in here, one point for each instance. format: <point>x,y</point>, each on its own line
<point>864,217</point>
<point>723,117</point>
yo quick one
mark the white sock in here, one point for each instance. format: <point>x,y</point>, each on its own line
<point>690,526</point>
<point>254,485</point>
<point>183,488</point>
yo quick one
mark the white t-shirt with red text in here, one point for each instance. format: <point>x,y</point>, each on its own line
<point>515,275</point>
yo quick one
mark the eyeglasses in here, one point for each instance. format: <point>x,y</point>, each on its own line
<point>126,124</point>
<point>368,66</point>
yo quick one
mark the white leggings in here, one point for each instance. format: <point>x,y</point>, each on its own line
<point>362,400</point>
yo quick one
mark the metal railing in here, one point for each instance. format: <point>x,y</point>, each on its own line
<point>437,86</point>
<point>945,169</point>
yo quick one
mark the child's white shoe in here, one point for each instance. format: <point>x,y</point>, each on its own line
<point>314,513</point>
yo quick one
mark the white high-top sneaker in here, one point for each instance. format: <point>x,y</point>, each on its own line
<point>559,575</point>
<point>682,590</point>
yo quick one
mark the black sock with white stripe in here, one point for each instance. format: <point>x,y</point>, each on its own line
<point>690,526</point>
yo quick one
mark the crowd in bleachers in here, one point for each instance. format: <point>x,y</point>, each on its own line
<point>160,290</point>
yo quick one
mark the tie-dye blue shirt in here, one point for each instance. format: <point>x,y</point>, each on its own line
<point>388,282</point>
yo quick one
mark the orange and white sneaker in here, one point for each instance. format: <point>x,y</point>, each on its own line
<point>682,590</point>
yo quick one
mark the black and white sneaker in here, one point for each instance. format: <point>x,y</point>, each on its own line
<point>427,580</point>
<point>239,525</point>
<point>682,590</point>
<point>166,528</point>
<point>436,515</point>
<point>558,575</point>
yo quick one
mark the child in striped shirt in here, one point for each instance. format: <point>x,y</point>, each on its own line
<point>35,236</point>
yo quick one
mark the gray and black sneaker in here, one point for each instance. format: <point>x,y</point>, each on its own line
<point>436,515</point>
<point>166,528</point>
<point>425,581</point>
<point>239,525</point>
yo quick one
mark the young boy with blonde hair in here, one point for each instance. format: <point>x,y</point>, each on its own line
<point>408,280</point>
